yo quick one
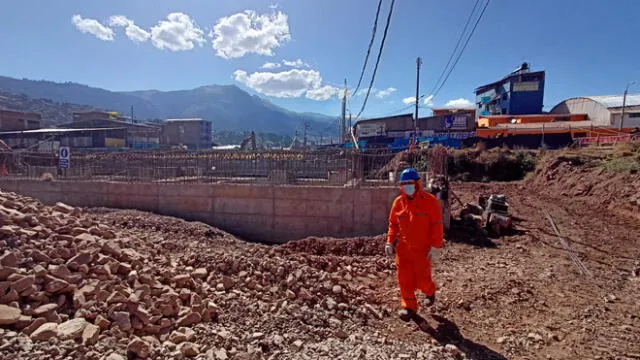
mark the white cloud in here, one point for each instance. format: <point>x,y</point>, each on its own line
<point>133,31</point>
<point>120,20</point>
<point>363,91</point>
<point>460,103</point>
<point>177,33</point>
<point>247,32</point>
<point>409,100</point>
<point>286,84</point>
<point>297,63</point>
<point>94,27</point>
<point>293,83</point>
<point>384,93</point>
<point>412,100</point>
<point>428,100</point>
<point>270,65</point>
<point>380,94</point>
<point>324,93</point>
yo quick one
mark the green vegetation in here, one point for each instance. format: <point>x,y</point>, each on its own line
<point>491,165</point>
<point>625,158</point>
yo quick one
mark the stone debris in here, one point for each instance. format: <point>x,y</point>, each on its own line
<point>113,285</point>
<point>9,315</point>
<point>45,332</point>
<point>71,329</point>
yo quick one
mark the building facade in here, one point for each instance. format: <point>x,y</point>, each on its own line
<point>193,133</point>
<point>604,110</point>
<point>519,93</point>
<point>403,126</point>
<point>395,132</point>
<point>453,111</point>
<point>138,135</point>
<point>49,140</point>
<point>17,120</point>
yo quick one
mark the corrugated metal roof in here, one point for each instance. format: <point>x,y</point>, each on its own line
<point>384,118</point>
<point>57,130</point>
<point>550,125</point>
<point>614,101</point>
<point>186,119</point>
<point>19,112</point>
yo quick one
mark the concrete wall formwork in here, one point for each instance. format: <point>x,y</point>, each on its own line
<point>273,214</point>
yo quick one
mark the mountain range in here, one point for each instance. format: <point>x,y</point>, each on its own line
<point>227,106</point>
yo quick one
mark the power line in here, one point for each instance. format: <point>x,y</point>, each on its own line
<point>375,69</point>
<point>408,107</point>
<point>373,36</point>
<point>463,48</point>
<point>455,49</point>
<point>400,109</point>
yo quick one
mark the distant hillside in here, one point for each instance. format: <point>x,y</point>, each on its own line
<point>53,113</point>
<point>228,107</point>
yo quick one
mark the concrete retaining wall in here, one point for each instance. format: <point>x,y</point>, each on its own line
<point>259,213</point>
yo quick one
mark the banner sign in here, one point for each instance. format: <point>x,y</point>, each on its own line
<point>607,140</point>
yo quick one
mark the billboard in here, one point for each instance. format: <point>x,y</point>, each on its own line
<point>455,122</point>
<point>525,86</point>
<point>371,129</point>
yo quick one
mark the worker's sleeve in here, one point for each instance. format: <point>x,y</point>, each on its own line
<point>394,228</point>
<point>437,228</point>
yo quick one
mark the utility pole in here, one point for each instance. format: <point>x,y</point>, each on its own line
<point>415,120</point>
<point>343,118</point>
<point>624,103</point>
<point>306,126</point>
<point>132,114</point>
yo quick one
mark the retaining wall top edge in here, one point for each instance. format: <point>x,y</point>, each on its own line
<point>62,181</point>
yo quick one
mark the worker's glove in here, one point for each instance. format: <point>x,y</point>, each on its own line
<point>389,250</point>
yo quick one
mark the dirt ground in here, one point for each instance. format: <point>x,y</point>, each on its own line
<point>526,299</point>
<point>522,296</point>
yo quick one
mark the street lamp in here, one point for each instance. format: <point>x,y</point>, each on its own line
<point>624,103</point>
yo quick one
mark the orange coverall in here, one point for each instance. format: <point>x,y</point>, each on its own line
<point>415,226</point>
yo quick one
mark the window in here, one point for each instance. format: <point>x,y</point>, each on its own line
<point>634,115</point>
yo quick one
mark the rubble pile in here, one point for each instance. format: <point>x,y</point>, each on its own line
<point>361,246</point>
<point>126,284</point>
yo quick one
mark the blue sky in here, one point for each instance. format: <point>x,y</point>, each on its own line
<point>587,47</point>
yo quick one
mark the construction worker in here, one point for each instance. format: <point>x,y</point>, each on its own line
<point>415,229</point>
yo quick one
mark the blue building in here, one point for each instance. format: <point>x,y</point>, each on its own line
<point>519,93</point>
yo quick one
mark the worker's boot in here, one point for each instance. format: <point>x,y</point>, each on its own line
<point>406,314</point>
<point>430,300</point>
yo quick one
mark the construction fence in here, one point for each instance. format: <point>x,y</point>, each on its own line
<point>332,168</point>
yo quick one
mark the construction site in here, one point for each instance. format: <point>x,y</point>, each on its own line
<point>280,255</point>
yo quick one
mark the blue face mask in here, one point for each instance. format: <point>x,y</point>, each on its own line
<point>409,189</point>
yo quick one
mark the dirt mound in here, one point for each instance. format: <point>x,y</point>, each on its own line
<point>476,164</point>
<point>360,246</point>
<point>139,220</point>
<point>598,178</point>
